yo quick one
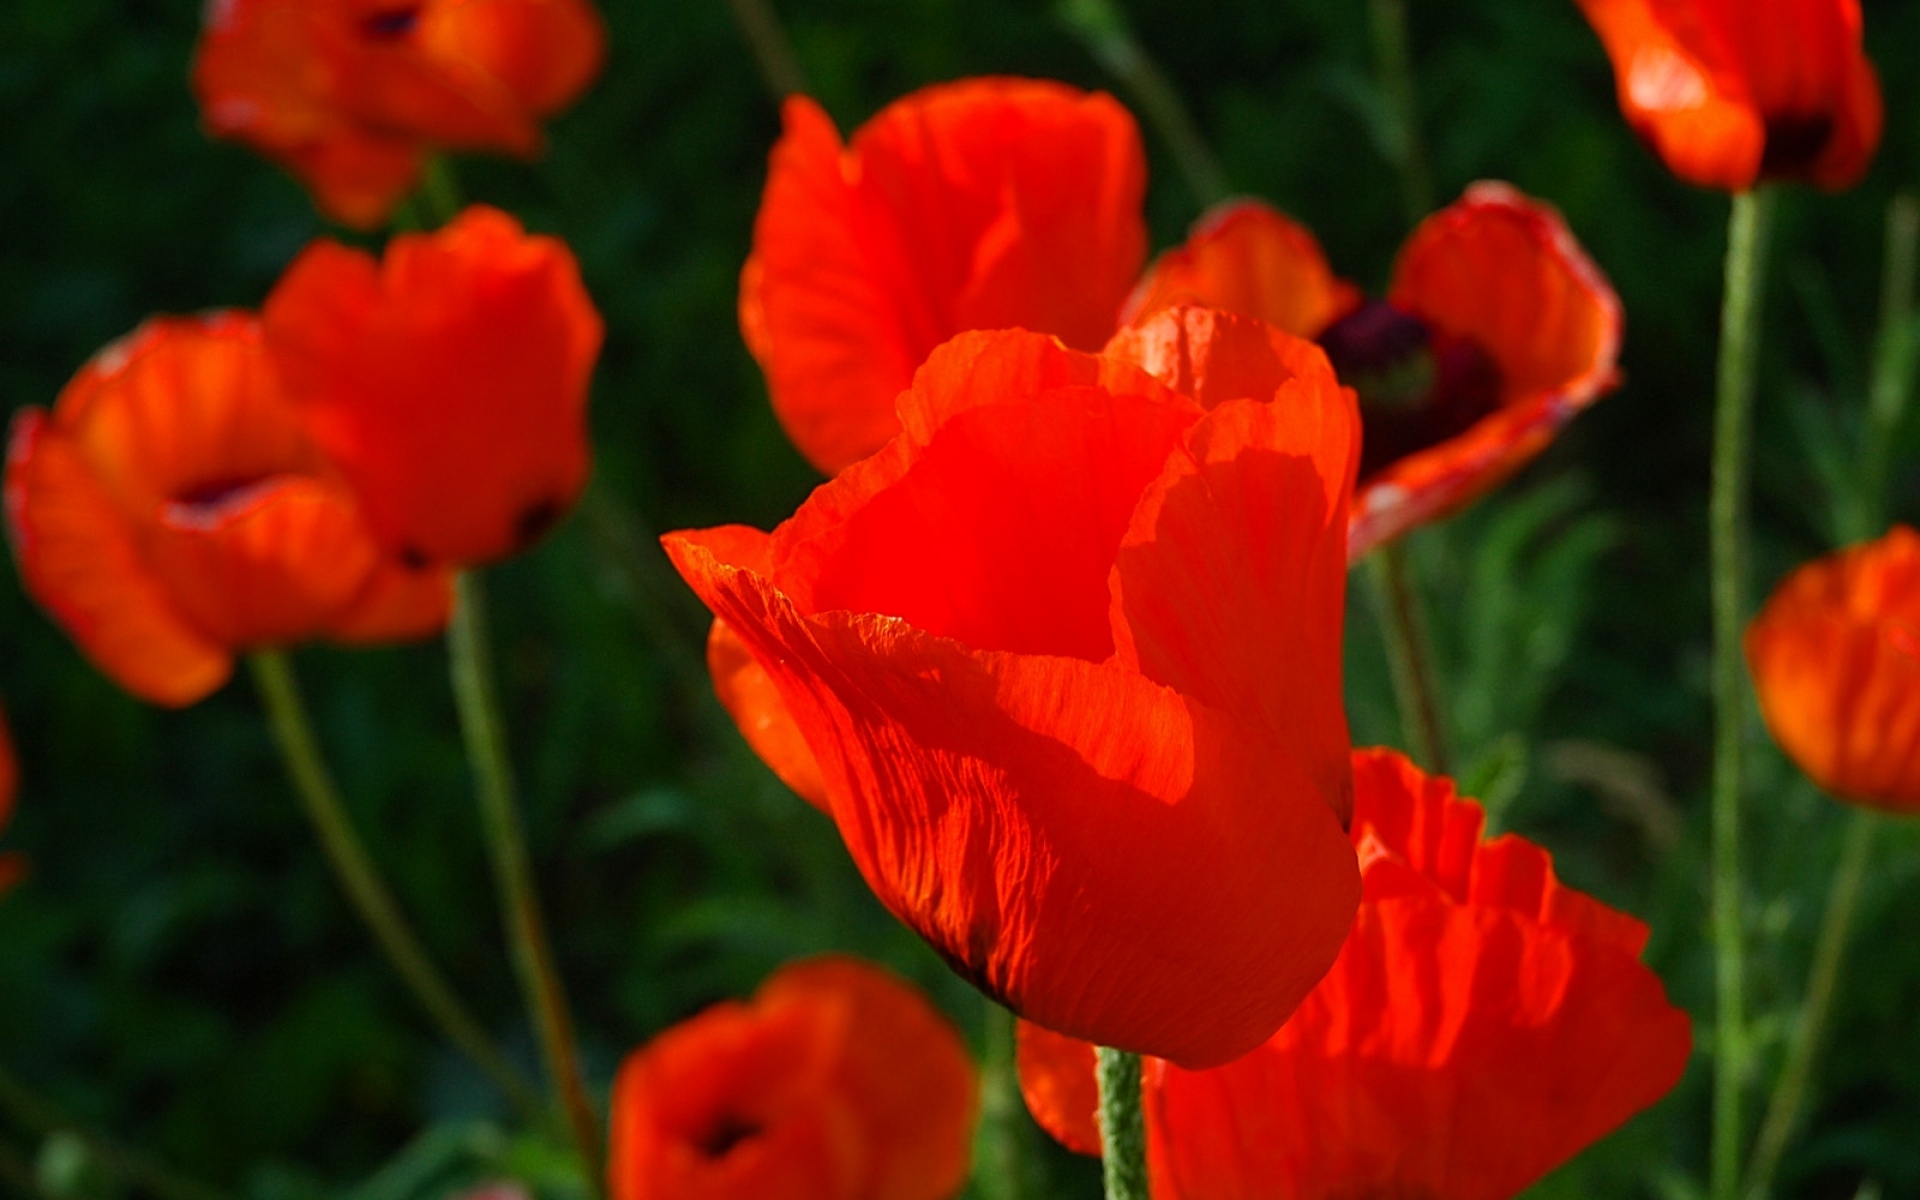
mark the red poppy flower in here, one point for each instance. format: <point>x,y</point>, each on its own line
<point>1066,655</point>
<point>1835,656</point>
<point>1483,1024</point>
<point>836,1082</point>
<point>170,511</point>
<point>352,95</point>
<point>1734,92</point>
<point>982,204</point>
<point>448,383</point>
<point>1496,330</point>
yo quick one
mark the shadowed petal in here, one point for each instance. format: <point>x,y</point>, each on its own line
<point>1246,257</point>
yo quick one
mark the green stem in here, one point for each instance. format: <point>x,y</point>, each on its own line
<point>1393,62</point>
<point>1123,1130</point>
<point>1403,627</point>
<point>361,879</point>
<point>1103,29</point>
<point>1896,352</point>
<point>485,735</point>
<point>1829,953</point>
<point>1733,418</point>
<point>772,52</point>
<point>1002,1171</point>
<point>33,1112</point>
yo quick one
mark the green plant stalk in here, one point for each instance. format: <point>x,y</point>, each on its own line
<point>1123,1129</point>
<point>1896,352</point>
<point>1829,955</point>
<point>134,1167</point>
<point>1733,419</point>
<point>1002,1171</point>
<point>360,878</point>
<point>772,51</point>
<point>1103,29</point>
<point>1403,628</point>
<point>1393,63</point>
<point>484,732</point>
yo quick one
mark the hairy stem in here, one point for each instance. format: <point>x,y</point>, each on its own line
<point>1403,627</point>
<point>1123,1130</point>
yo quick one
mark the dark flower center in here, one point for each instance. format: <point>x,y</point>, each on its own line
<point>1417,389</point>
<point>390,24</point>
<point>204,502</point>
<point>726,1133</point>
<point>1795,142</point>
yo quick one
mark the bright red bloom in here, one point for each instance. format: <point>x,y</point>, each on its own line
<point>1835,656</point>
<point>1734,92</point>
<point>448,383</point>
<point>837,1081</point>
<point>1066,655</point>
<point>352,95</point>
<point>1484,1024</point>
<point>170,511</point>
<point>1496,330</point>
<point>982,204</point>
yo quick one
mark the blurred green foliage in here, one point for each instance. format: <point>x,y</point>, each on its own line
<point>180,968</point>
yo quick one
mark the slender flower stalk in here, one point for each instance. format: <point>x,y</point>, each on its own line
<point>1393,62</point>
<point>485,735</point>
<point>1102,28</point>
<point>1733,418</point>
<point>361,879</point>
<point>773,53</point>
<point>1123,1130</point>
<point>135,1167</point>
<point>1002,1171</point>
<point>1896,354</point>
<point>1409,656</point>
<point>1830,952</point>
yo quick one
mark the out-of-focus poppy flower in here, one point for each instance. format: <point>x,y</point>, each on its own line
<point>836,1082</point>
<point>982,204</point>
<point>1835,656</point>
<point>1483,1024</point>
<point>170,511</point>
<point>1731,93</point>
<point>352,95</point>
<point>1066,655</point>
<point>1496,330</point>
<point>448,383</point>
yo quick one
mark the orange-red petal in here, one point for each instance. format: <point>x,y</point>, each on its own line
<point>1502,271</point>
<point>747,692</point>
<point>448,383</point>
<point>1246,257</point>
<point>1059,1083</point>
<point>1731,92</point>
<point>545,52</point>
<point>1029,802</point>
<point>837,1082</point>
<point>1835,657</point>
<point>982,204</point>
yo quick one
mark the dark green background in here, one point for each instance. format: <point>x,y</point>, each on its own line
<point>180,967</point>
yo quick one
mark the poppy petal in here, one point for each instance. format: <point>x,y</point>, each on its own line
<point>79,559</point>
<point>448,384</point>
<point>1213,355</point>
<point>983,204</point>
<point>1060,1083</point>
<point>545,52</point>
<point>1503,272</point>
<point>747,692</point>
<point>1246,257</point>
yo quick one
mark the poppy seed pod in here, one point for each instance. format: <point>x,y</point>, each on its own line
<point>447,382</point>
<point>170,511</point>
<point>1066,658</point>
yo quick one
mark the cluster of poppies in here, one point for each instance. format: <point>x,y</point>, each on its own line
<point>1057,646</point>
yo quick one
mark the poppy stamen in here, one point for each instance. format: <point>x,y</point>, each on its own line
<point>391,24</point>
<point>1795,142</point>
<point>1417,388</point>
<point>727,1133</point>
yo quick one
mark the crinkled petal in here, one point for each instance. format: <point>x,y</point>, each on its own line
<point>982,204</point>
<point>1246,257</point>
<point>79,559</point>
<point>746,691</point>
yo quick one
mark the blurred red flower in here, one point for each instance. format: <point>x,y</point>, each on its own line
<point>1835,656</point>
<point>448,383</point>
<point>1483,1024</point>
<point>352,95</point>
<point>170,511</point>
<point>837,1081</point>
<point>1066,658</point>
<point>1733,92</point>
<point>981,204</point>
<point>1496,330</point>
